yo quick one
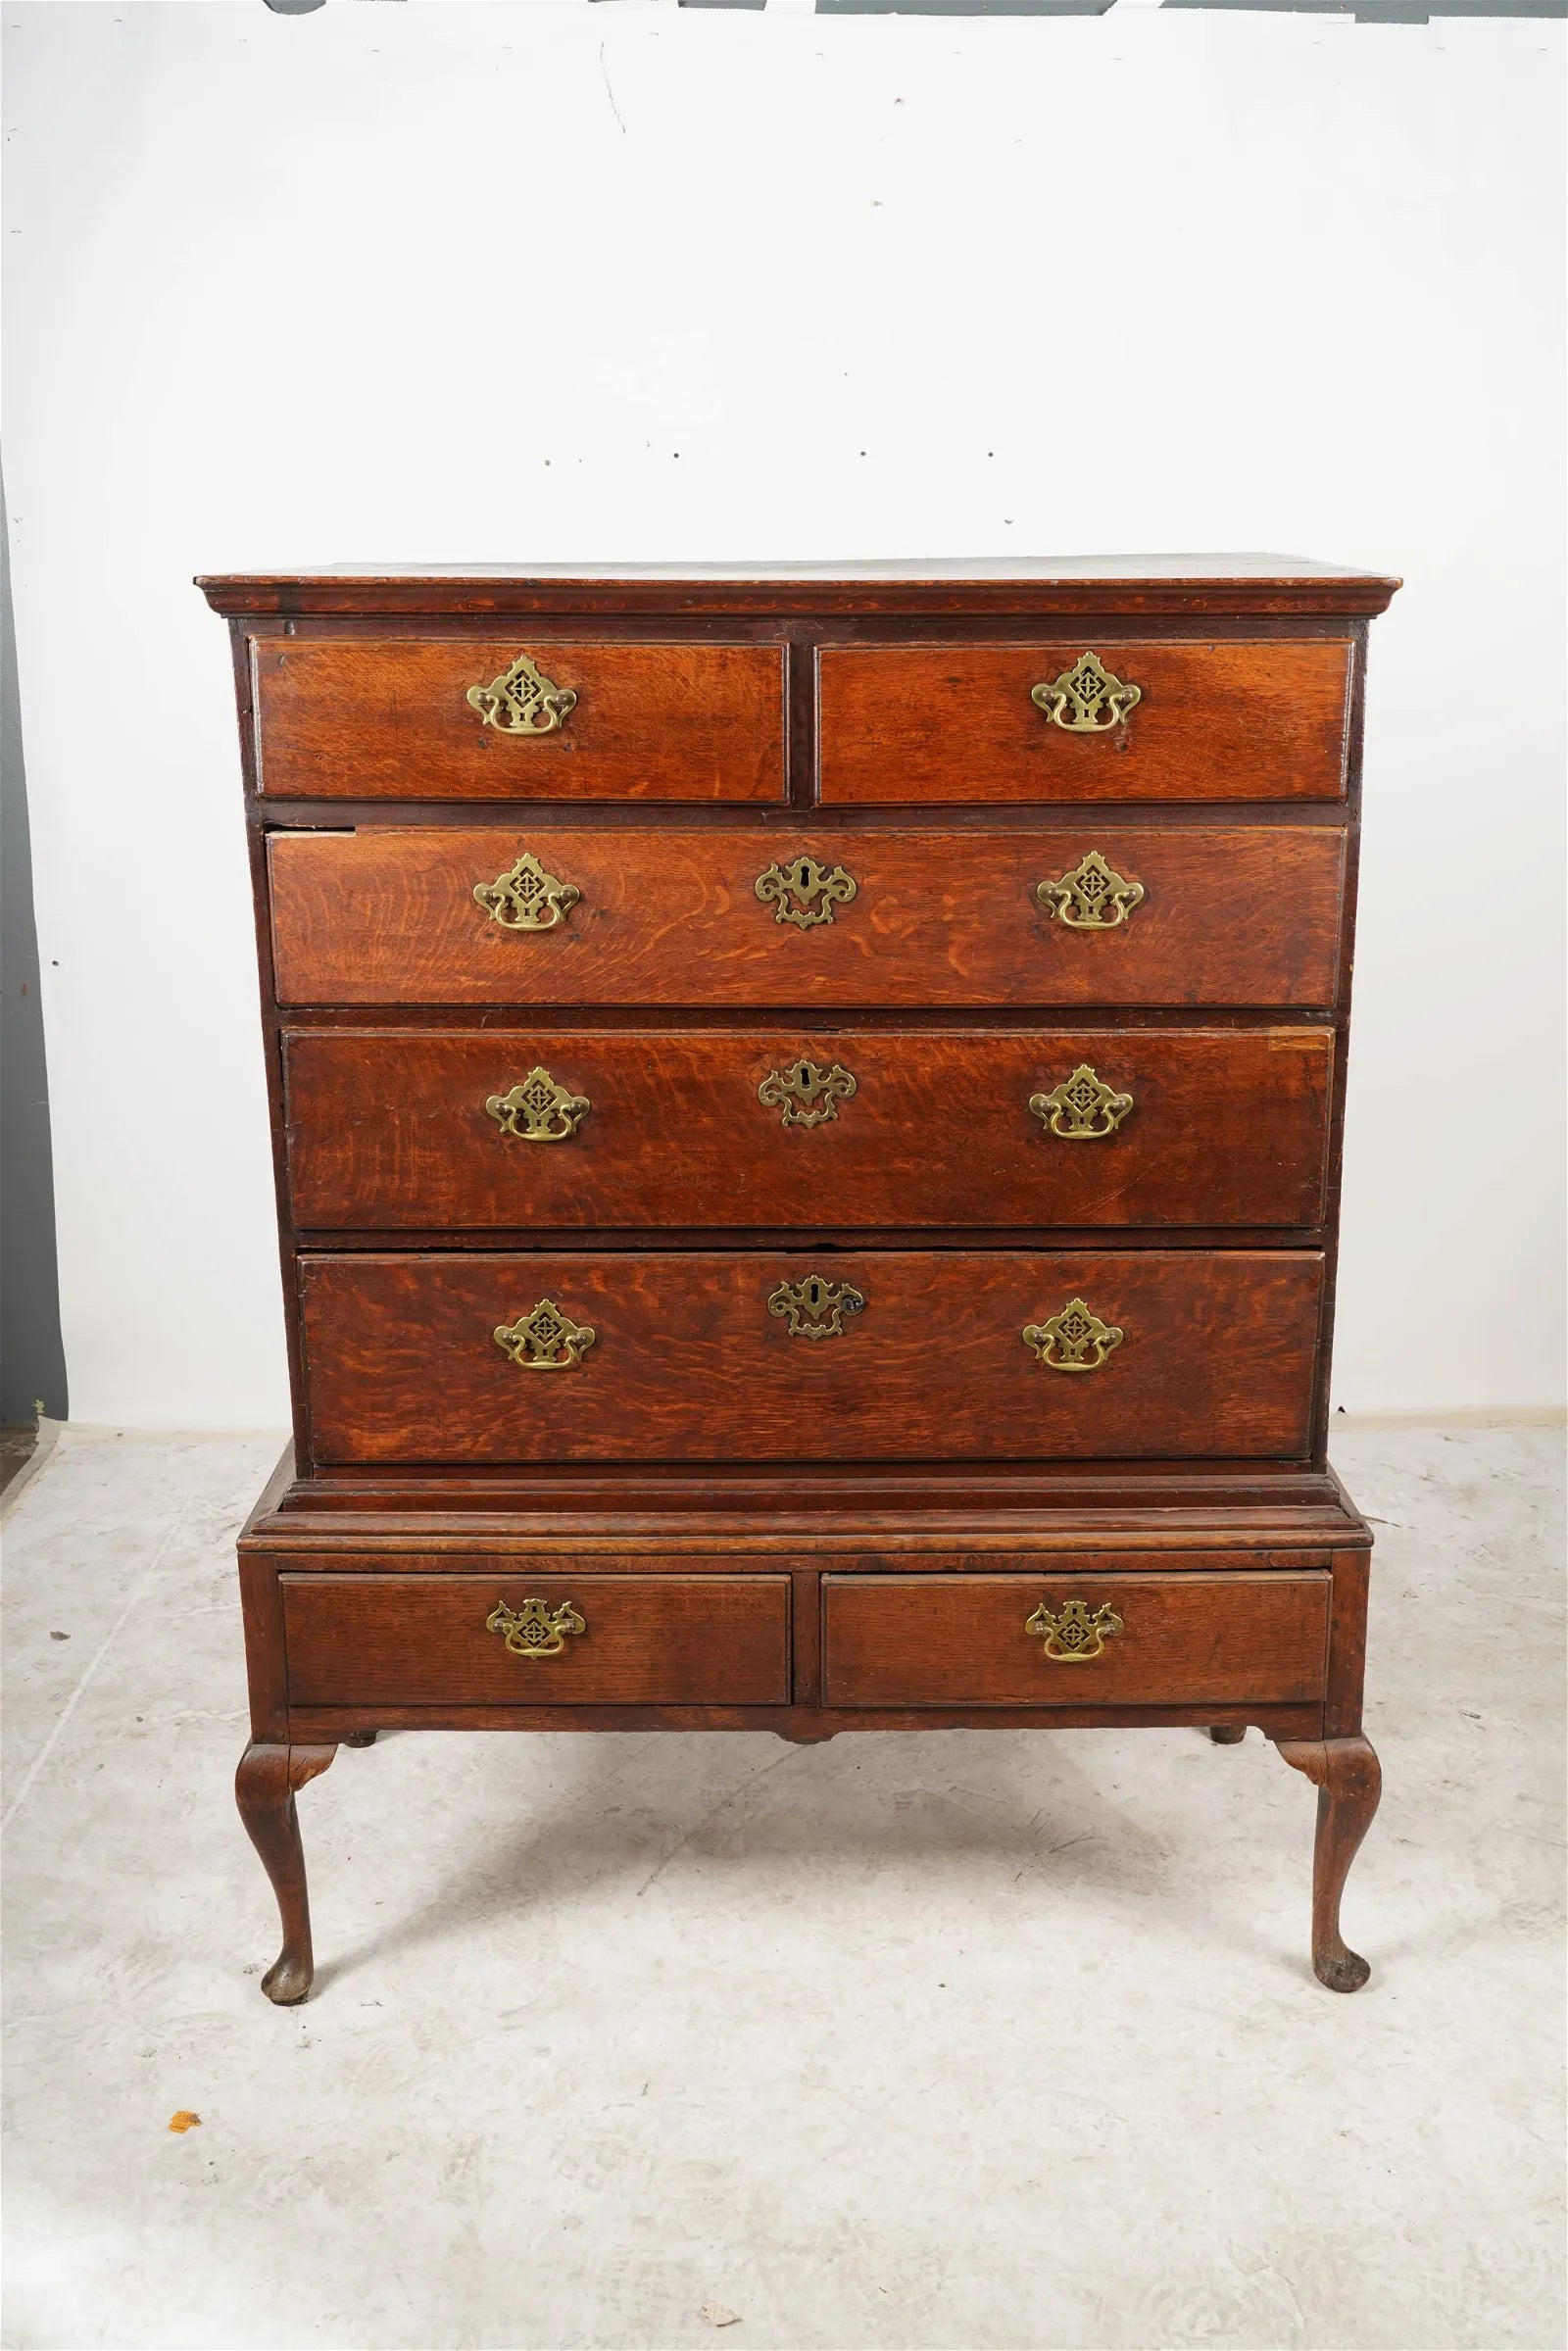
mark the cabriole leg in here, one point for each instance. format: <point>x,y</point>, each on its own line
<point>1349,1780</point>
<point>264,1790</point>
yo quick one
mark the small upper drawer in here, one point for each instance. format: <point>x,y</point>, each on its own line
<point>1125,721</point>
<point>502,719</point>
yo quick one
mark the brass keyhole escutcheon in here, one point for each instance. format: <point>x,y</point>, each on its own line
<point>815,1308</point>
<point>805,1094</point>
<point>805,893</point>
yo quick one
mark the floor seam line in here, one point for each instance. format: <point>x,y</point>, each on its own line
<point>93,1663</point>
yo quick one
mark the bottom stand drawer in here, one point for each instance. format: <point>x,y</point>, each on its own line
<point>1078,1640</point>
<point>537,1640</point>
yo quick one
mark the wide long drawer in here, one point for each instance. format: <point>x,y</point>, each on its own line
<point>704,1128</point>
<point>511,1637</point>
<point>1074,1640</point>
<point>1243,719</point>
<point>833,1356</point>
<point>546,914</point>
<point>493,719</point>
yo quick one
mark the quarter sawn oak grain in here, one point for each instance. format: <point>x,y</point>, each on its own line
<point>1257,721</point>
<point>939,1640</point>
<point>388,1128</point>
<point>689,1365</point>
<point>387,915</point>
<point>761,1531</point>
<point>389,720</point>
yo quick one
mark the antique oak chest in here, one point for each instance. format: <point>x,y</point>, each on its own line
<point>807,1108</point>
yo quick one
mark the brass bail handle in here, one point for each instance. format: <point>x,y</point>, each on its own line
<point>1087,699</point>
<point>535,1629</point>
<point>523,701</point>
<point>526,898</point>
<point>1074,1632</point>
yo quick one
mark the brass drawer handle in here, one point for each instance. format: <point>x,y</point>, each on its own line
<point>815,1307</point>
<point>1081,693</point>
<point>538,1109</point>
<point>1082,1107</point>
<point>523,701</point>
<point>1092,896</point>
<point>527,899</point>
<point>535,1630</point>
<point>1073,1637</point>
<point>805,893</point>
<point>805,1094</point>
<point>1075,1339</point>
<point>547,1339</point>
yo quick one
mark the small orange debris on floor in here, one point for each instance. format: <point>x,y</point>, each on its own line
<point>185,2119</point>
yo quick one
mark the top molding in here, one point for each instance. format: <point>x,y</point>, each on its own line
<point>1041,587</point>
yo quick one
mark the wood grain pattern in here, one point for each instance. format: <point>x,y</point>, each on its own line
<point>959,1641</point>
<point>388,718</point>
<point>1231,916</point>
<point>1349,1781</point>
<point>1175,587</point>
<point>412,1639</point>
<point>689,1365</point>
<point>388,1129</point>
<point>1221,720</point>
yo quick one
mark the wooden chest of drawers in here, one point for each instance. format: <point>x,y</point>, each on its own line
<point>806,1113</point>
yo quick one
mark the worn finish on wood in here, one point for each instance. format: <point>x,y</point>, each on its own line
<point>1184,1641</point>
<point>390,1129</point>
<point>950,723</point>
<point>760,1531</point>
<point>1171,587</point>
<point>1349,1781</point>
<point>389,720</point>
<point>387,915</point>
<point>265,1787</point>
<point>689,1364</point>
<point>651,1639</point>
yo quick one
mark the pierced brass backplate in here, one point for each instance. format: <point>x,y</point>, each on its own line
<point>1093,897</point>
<point>1081,693</point>
<point>547,1339</point>
<point>523,701</point>
<point>1082,1108</point>
<point>805,893</point>
<point>535,1630</point>
<point>527,899</point>
<point>1075,1339</point>
<point>1074,1636</point>
<point>815,1308</point>
<point>805,1093</point>
<point>538,1111</point>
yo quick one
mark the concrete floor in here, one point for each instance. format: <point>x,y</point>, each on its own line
<point>964,2040</point>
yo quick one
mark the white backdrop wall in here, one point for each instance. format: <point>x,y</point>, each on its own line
<point>558,282</point>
